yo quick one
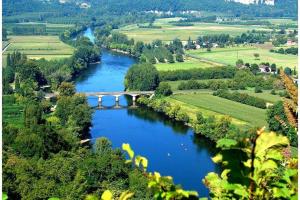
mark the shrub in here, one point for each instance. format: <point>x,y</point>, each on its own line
<point>258,89</point>
<point>192,85</point>
<point>163,89</point>
<point>241,98</point>
<point>179,58</point>
<point>273,92</point>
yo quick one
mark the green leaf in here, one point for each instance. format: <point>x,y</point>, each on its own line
<point>274,154</point>
<point>127,148</point>
<point>226,143</point>
<point>126,195</point>
<point>268,141</point>
<point>91,197</point>
<point>141,160</point>
<point>4,196</point>
<point>53,198</point>
<point>269,164</point>
<point>218,158</point>
<point>241,191</point>
<point>151,184</point>
<point>107,195</point>
<point>157,176</point>
<point>281,192</point>
<point>224,174</point>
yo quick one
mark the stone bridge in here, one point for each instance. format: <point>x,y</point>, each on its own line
<point>133,94</point>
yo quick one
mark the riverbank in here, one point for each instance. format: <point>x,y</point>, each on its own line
<point>213,127</point>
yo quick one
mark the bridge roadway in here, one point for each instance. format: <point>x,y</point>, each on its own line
<point>133,94</point>
<point>130,93</point>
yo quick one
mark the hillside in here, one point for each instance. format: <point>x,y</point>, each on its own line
<point>54,8</point>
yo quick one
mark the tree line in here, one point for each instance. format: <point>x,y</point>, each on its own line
<point>242,98</point>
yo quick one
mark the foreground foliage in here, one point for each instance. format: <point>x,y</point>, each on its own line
<point>260,170</point>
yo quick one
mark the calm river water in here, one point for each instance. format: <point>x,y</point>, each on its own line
<point>171,148</point>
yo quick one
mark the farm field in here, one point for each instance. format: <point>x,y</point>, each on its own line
<point>189,63</point>
<point>50,28</point>
<point>252,116</point>
<point>48,47</point>
<point>281,21</point>
<point>266,94</point>
<point>168,31</point>
<point>12,113</point>
<point>230,55</point>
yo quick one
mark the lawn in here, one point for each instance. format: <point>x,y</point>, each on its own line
<point>230,55</point>
<point>248,115</point>
<point>168,31</point>
<point>189,63</point>
<point>48,47</point>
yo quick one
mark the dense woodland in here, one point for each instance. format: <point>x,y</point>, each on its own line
<point>53,10</point>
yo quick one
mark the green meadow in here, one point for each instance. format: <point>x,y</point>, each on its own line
<point>168,31</point>
<point>189,63</point>
<point>242,114</point>
<point>50,28</point>
<point>35,47</point>
<point>230,55</point>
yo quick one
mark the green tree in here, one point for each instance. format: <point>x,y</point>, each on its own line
<point>288,71</point>
<point>66,89</point>
<point>163,89</point>
<point>30,70</point>
<point>179,58</point>
<point>239,63</point>
<point>273,68</point>
<point>256,56</point>
<point>171,58</point>
<point>32,115</point>
<point>142,77</point>
<point>254,68</point>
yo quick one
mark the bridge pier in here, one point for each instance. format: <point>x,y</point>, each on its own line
<point>117,98</point>
<point>100,101</point>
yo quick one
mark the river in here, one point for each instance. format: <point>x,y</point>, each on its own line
<point>170,147</point>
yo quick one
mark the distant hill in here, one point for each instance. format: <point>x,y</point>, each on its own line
<point>282,8</point>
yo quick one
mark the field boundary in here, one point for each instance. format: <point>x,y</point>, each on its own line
<point>210,61</point>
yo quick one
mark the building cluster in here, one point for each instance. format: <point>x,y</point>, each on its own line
<point>267,2</point>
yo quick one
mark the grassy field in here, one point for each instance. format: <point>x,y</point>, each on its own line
<point>243,114</point>
<point>266,95</point>
<point>282,21</point>
<point>12,113</point>
<point>168,31</point>
<point>51,29</point>
<point>189,63</point>
<point>48,47</point>
<point>231,54</point>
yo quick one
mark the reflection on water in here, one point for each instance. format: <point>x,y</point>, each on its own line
<point>171,148</point>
